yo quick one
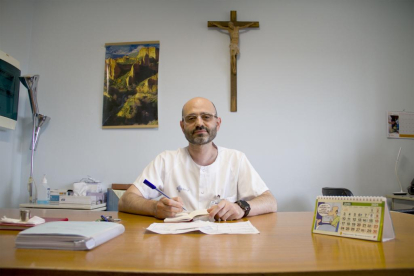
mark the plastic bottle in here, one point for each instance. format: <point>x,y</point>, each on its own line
<point>43,192</point>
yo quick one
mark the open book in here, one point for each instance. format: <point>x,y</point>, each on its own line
<point>186,217</point>
<point>68,235</point>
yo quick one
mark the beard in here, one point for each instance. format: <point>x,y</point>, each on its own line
<point>200,139</point>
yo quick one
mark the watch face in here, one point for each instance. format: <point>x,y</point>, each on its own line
<point>244,205</point>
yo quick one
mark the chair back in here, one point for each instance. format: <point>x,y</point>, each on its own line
<point>328,191</point>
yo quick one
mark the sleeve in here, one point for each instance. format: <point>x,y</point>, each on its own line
<point>154,173</point>
<point>250,184</point>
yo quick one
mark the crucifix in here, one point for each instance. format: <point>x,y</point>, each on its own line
<point>233,26</point>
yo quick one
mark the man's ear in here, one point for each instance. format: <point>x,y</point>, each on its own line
<point>218,123</point>
<point>182,125</point>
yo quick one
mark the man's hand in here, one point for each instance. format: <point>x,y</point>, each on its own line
<point>225,210</point>
<point>168,208</point>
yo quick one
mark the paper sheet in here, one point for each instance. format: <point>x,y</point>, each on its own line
<point>34,220</point>
<point>205,227</point>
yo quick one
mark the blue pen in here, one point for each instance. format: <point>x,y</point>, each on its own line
<point>104,218</point>
<point>152,186</point>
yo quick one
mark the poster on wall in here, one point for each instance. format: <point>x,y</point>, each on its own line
<point>400,124</point>
<point>130,96</point>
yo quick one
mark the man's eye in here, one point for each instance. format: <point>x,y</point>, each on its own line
<point>206,117</point>
<point>191,118</point>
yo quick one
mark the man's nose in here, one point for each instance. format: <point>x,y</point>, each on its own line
<point>199,121</point>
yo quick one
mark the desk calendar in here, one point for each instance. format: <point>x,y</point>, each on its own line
<point>400,125</point>
<point>356,217</point>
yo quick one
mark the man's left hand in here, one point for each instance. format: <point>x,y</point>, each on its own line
<point>225,210</point>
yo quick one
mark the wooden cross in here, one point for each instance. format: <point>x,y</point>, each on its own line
<point>233,26</point>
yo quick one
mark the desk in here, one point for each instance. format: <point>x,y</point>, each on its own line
<point>93,207</point>
<point>407,200</point>
<point>284,247</point>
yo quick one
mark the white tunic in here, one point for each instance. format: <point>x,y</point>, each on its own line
<point>231,176</point>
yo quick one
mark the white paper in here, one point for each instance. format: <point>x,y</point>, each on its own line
<point>205,227</point>
<point>34,220</point>
<point>388,228</point>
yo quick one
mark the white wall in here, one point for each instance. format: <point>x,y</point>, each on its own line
<point>15,31</point>
<point>314,84</point>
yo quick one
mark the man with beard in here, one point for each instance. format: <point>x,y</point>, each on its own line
<point>199,175</point>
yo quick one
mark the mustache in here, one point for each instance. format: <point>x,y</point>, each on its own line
<point>200,128</point>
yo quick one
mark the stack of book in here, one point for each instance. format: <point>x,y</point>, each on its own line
<point>70,235</point>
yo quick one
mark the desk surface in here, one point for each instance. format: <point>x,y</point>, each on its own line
<point>285,245</point>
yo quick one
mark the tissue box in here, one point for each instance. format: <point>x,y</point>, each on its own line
<point>55,195</point>
<point>100,197</point>
<point>94,187</point>
<point>81,188</point>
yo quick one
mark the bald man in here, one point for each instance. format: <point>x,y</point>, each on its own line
<point>200,174</point>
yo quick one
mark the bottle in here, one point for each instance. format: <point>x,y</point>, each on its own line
<point>43,192</point>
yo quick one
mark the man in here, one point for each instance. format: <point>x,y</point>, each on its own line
<point>199,174</point>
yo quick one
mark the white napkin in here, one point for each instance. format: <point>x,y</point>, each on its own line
<point>80,189</point>
<point>34,220</point>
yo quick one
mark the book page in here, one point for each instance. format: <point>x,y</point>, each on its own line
<point>185,216</point>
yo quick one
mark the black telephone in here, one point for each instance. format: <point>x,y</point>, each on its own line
<point>411,188</point>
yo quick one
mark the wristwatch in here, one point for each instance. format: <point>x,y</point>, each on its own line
<point>244,206</point>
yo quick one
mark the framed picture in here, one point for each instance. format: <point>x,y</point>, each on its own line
<point>130,96</point>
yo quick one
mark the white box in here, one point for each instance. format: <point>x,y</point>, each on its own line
<point>55,195</point>
<point>90,200</point>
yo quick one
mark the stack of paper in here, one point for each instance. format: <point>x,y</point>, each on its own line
<point>205,227</point>
<point>69,235</point>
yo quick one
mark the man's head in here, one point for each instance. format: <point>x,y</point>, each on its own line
<point>199,121</point>
<point>231,25</point>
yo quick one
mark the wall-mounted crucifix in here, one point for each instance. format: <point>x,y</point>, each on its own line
<point>233,26</point>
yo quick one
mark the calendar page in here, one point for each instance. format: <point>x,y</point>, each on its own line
<point>400,125</point>
<point>352,217</point>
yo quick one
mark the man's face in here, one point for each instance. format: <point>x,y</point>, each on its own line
<point>200,124</point>
<point>200,133</point>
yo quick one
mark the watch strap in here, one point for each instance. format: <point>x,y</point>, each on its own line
<point>244,206</point>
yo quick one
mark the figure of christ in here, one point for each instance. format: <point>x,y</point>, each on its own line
<point>234,41</point>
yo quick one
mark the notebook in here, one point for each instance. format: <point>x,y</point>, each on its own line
<point>186,217</point>
<point>68,235</point>
<point>356,217</point>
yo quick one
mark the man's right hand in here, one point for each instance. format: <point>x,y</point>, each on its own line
<point>168,208</point>
<point>133,202</point>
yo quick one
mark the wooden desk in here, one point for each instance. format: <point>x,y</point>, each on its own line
<point>285,246</point>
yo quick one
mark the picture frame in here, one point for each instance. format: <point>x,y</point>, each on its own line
<point>130,94</point>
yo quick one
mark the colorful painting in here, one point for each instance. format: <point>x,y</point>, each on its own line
<point>130,98</point>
